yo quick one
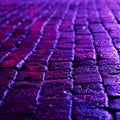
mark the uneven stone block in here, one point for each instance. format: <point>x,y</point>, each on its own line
<point>29,76</point>
<point>78,70</point>
<point>55,110</point>
<point>114,104</point>
<point>57,74</point>
<point>88,114</point>
<point>58,84</point>
<point>55,95</point>
<point>87,78</point>
<point>60,65</point>
<point>89,101</point>
<point>113,91</point>
<point>16,107</point>
<point>22,94</point>
<point>87,89</point>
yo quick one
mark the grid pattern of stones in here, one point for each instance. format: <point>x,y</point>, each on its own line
<point>60,60</point>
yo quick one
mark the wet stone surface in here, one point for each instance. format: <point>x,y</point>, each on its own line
<point>59,60</point>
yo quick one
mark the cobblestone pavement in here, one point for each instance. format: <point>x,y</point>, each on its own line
<point>60,60</point>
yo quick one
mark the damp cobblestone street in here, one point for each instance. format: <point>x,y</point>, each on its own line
<point>60,60</point>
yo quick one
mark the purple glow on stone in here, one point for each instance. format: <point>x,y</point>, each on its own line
<point>59,59</point>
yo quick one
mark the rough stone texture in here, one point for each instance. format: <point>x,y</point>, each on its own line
<point>115,104</point>
<point>59,59</point>
<point>117,116</point>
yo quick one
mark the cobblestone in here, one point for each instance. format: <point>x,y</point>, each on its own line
<point>60,60</point>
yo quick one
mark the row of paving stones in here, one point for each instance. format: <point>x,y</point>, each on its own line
<point>60,61</point>
<point>29,94</point>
